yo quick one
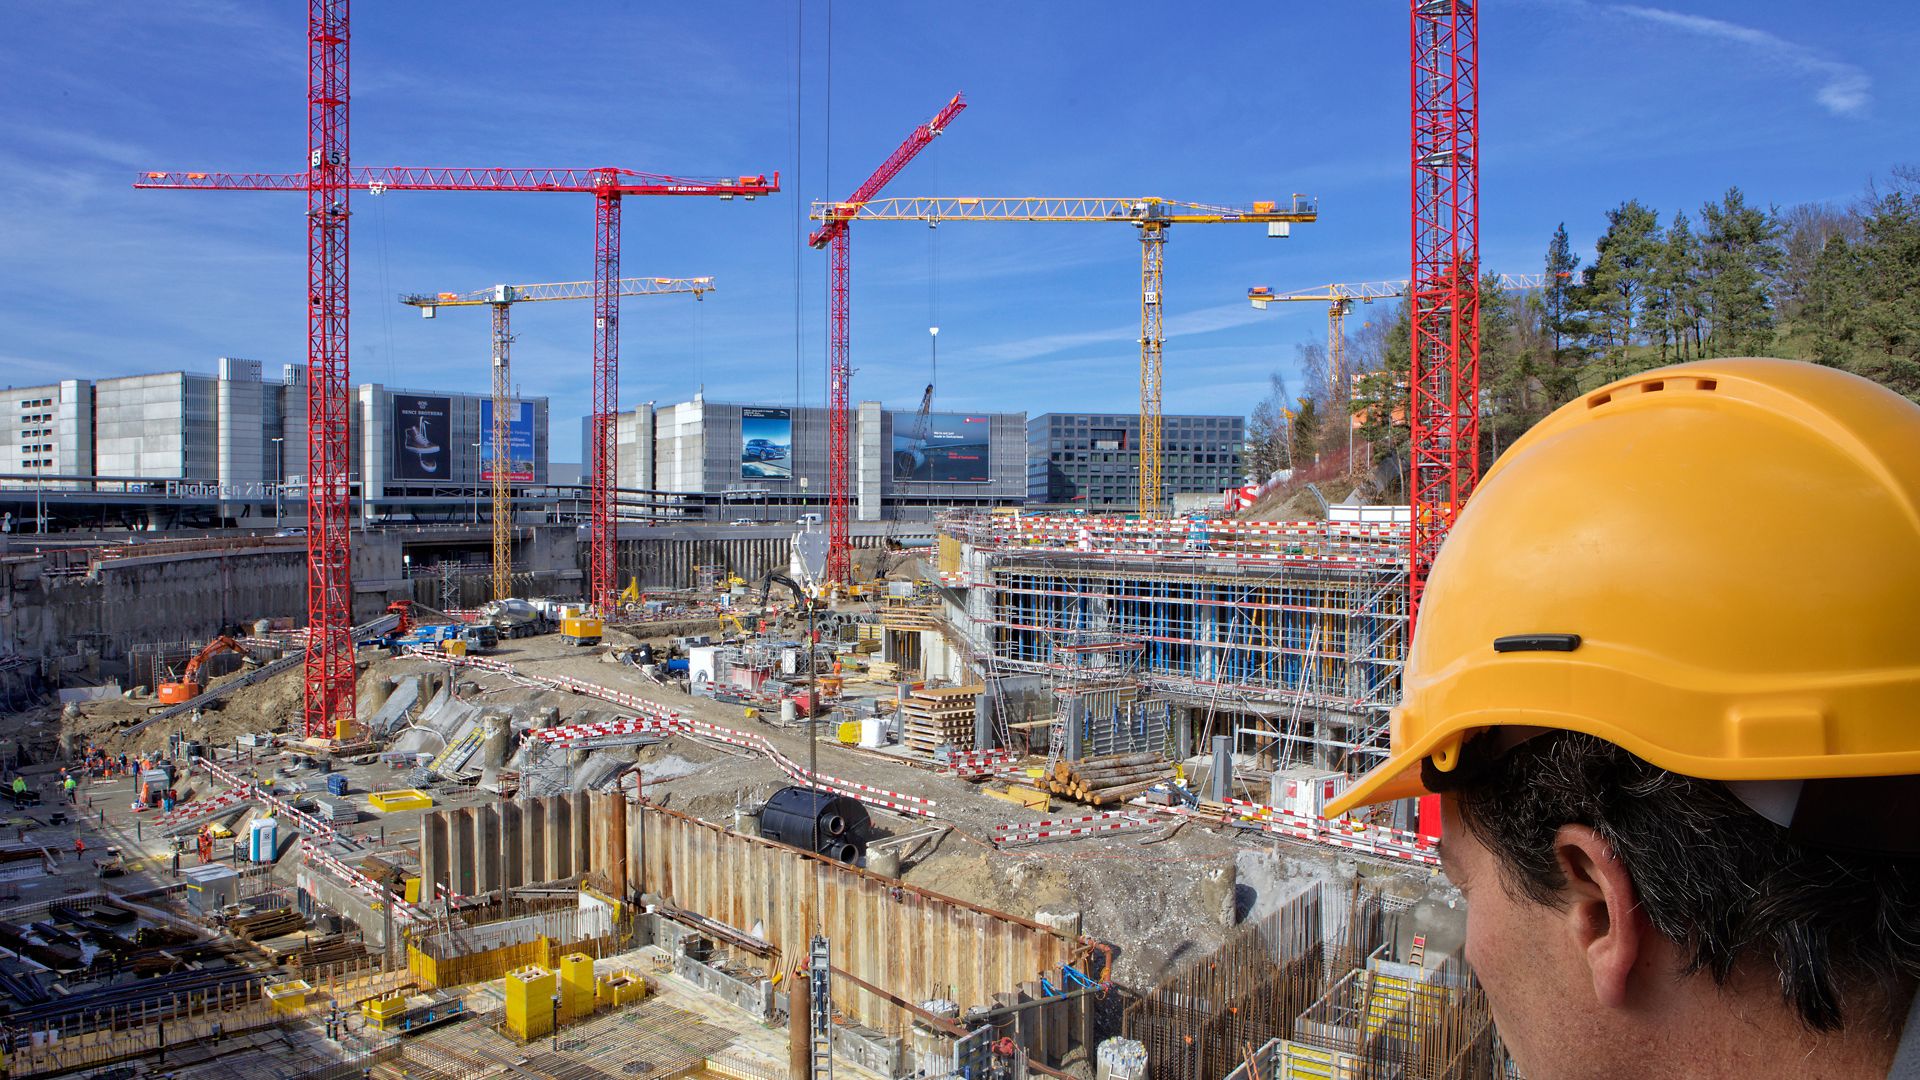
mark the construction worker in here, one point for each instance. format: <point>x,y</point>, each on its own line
<point>70,785</point>
<point>1666,680</point>
<point>19,784</point>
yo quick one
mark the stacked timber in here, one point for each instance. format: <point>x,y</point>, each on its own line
<point>1111,779</point>
<point>265,924</point>
<point>940,717</point>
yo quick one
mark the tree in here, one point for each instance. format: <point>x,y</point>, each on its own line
<point>1560,318</point>
<point>1888,320</point>
<point>1741,257</point>
<point>1677,308</point>
<point>1621,280</point>
<point>1826,304</point>
<point>1267,450</point>
<point>1380,392</point>
<point>1805,232</point>
<point>1304,431</point>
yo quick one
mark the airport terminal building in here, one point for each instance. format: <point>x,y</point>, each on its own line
<point>232,446</point>
<point>763,462</point>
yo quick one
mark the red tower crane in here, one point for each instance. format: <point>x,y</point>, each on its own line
<point>833,236</point>
<point>1444,380</point>
<point>329,693</point>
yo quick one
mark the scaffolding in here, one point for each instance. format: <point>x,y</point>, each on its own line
<point>1297,629</point>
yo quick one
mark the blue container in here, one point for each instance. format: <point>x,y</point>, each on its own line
<point>336,784</point>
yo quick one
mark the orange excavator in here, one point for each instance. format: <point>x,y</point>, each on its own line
<point>188,687</point>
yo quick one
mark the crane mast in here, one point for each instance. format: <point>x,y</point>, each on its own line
<point>1444,377</point>
<point>501,298</point>
<point>833,236</point>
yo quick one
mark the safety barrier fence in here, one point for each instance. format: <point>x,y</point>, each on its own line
<point>655,718</point>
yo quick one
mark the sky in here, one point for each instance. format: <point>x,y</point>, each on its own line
<point>1585,103</point>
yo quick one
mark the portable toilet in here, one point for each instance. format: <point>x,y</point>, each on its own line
<point>263,840</point>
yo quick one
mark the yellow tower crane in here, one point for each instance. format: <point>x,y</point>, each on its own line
<point>501,299</point>
<point>1340,300</point>
<point>1152,216</point>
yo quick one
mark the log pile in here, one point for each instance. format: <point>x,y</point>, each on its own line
<point>266,924</point>
<point>1111,779</point>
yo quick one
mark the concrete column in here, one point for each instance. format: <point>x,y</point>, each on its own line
<point>1075,731</point>
<point>636,849</point>
<point>583,835</point>
<point>559,838</point>
<point>460,851</point>
<point>534,839</point>
<point>486,849</point>
<point>513,860</point>
<point>1222,775</point>
<point>433,852</point>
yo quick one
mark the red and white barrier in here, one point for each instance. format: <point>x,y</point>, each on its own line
<point>660,719</point>
<point>1036,832</point>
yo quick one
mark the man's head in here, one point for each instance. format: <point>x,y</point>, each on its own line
<point>1611,901</point>
<point>1666,673</point>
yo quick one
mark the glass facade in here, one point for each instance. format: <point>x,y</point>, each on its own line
<point>1093,459</point>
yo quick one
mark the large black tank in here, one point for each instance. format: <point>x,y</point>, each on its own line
<point>791,814</point>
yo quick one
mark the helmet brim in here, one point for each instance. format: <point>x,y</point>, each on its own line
<point>1396,778</point>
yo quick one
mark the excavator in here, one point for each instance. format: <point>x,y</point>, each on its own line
<point>188,687</point>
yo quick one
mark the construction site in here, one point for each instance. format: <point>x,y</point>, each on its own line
<point>921,784</point>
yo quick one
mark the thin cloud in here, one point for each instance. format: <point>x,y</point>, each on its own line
<point>1842,89</point>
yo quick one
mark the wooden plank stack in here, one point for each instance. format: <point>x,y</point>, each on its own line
<point>940,717</point>
<point>266,924</point>
<point>1111,779</point>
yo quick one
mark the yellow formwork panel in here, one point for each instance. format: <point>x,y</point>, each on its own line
<point>576,987</point>
<point>530,1002</point>
<point>404,799</point>
<point>621,988</point>
<point>383,1012</point>
<point>289,997</point>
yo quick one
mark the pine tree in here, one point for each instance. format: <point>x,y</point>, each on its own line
<point>1742,257</point>
<point>1889,291</point>
<point>1304,444</point>
<point>1680,292</point>
<point>1621,281</point>
<point>1560,319</point>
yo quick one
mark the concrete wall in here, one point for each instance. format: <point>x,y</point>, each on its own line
<point>894,936</point>
<point>175,596</point>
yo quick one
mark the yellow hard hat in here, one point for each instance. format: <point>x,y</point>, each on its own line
<point>1714,566</point>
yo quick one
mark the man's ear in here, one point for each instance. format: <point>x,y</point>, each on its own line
<point>1603,911</point>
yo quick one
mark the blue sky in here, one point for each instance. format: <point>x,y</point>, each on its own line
<point>1585,103</point>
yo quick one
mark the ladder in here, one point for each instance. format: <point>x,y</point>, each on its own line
<point>820,1024</point>
<point>1057,740</point>
<point>1418,955</point>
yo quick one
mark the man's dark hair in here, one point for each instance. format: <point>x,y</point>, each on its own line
<point>1839,930</point>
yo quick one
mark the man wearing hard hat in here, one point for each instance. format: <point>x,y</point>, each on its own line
<point>1666,677</point>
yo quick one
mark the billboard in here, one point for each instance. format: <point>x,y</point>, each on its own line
<point>950,449</point>
<point>422,436</point>
<point>519,441</point>
<point>766,444</point>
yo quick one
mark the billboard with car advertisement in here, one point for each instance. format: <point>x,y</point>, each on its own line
<point>519,441</point>
<point>422,433</point>
<point>766,444</point>
<point>951,448</point>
